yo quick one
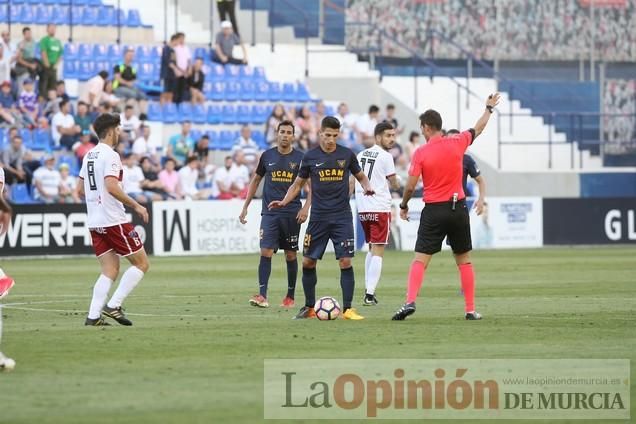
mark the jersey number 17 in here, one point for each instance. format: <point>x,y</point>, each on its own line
<point>363,164</point>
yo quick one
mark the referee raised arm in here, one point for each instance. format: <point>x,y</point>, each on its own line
<point>439,163</point>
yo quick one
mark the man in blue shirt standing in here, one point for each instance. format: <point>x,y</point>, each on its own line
<point>279,167</point>
<point>328,166</point>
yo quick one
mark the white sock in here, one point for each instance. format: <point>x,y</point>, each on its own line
<point>128,282</point>
<point>367,261</point>
<point>375,269</point>
<point>100,293</point>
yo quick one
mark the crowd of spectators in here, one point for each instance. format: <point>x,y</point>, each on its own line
<point>507,30</point>
<point>619,123</point>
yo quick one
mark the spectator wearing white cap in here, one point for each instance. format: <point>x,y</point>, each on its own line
<point>224,46</point>
<point>47,181</point>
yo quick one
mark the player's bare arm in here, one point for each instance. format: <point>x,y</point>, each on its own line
<point>5,212</point>
<point>394,182</point>
<point>303,213</point>
<point>364,182</point>
<point>491,102</point>
<point>113,188</point>
<point>251,191</point>
<point>292,193</point>
<point>479,203</point>
<point>409,189</point>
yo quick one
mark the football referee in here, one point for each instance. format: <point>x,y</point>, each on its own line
<point>445,214</point>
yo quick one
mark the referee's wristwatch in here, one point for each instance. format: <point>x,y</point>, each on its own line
<point>403,207</point>
<point>490,108</point>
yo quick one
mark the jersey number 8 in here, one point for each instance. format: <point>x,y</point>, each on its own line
<point>90,170</point>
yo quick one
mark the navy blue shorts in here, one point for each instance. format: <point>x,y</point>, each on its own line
<point>338,230</point>
<point>279,232</point>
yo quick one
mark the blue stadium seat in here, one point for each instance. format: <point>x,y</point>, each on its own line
<point>89,16</point>
<point>302,93</point>
<point>42,15</point>
<point>195,134</point>
<point>71,161</point>
<point>170,114</point>
<point>71,51</point>
<point>201,52</point>
<point>246,73</point>
<point>143,54</point>
<point>262,91</point>
<point>76,14</point>
<point>86,70</point>
<point>228,115</point>
<point>259,73</point>
<point>3,13</point>
<point>3,138</point>
<point>259,114</point>
<point>70,69</point>
<point>243,114</point>
<point>226,140</point>
<point>289,92</point>
<point>41,140</point>
<point>213,136</point>
<point>232,91</point>
<point>185,112</point>
<point>16,12</point>
<point>248,91</point>
<point>18,2</point>
<point>27,15</point>
<point>217,72</point>
<point>232,72</point>
<point>199,115</point>
<point>20,194</point>
<point>26,135</point>
<point>155,53</point>
<point>147,72</point>
<point>100,53</point>
<point>115,52</point>
<point>258,136</point>
<point>106,16</point>
<point>94,3</point>
<point>218,91</point>
<point>208,89</point>
<point>133,20</point>
<point>60,15</point>
<point>275,93</point>
<point>154,112</point>
<point>102,65</point>
<point>85,52</point>
<point>214,114</point>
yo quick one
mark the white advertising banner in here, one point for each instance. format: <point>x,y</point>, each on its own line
<point>509,222</point>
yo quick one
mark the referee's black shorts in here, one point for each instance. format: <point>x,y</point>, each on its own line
<point>439,220</point>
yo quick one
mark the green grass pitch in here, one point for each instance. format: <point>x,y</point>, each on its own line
<point>195,353</point>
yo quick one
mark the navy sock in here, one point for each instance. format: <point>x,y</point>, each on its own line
<point>348,284</point>
<point>264,270</point>
<point>292,276</point>
<point>309,286</point>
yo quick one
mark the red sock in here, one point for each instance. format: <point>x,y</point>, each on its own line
<point>416,277</point>
<point>467,276</point>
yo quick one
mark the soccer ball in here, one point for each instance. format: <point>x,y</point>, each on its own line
<point>6,364</point>
<point>327,308</point>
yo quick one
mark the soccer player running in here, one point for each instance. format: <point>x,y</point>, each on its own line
<point>328,166</point>
<point>375,211</point>
<point>439,163</point>
<point>111,233</point>
<point>279,167</point>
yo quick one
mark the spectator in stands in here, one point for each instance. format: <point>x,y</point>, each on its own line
<point>277,115</point>
<point>226,10</point>
<point>183,57</point>
<point>146,146</point>
<point>28,103</point>
<point>169,178</point>
<point>250,149</point>
<point>224,46</point>
<point>64,130</point>
<point>319,114</point>
<point>413,144</point>
<point>307,126</point>
<point>133,181</point>
<point>68,185</point>
<point>181,145</point>
<point>347,124</point>
<point>302,143</point>
<point>13,159</point>
<point>83,119</point>
<point>151,180</point>
<point>188,177</point>
<point>83,146</point>
<point>46,180</point>
<point>51,51</point>
<point>223,180</point>
<point>168,71</point>
<point>108,96</point>
<point>92,92</point>
<point>365,126</point>
<point>26,63</point>
<point>390,118</point>
<point>7,61</point>
<point>240,173</point>
<point>60,87</point>
<point>125,77</point>
<point>8,112</point>
<point>399,158</point>
<point>52,105</point>
<point>196,81</point>
<point>202,149</point>
<point>130,124</point>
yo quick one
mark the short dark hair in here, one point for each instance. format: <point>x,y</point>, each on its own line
<point>25,29</point>
<point>452,131</point>
<point>143,159</point>
<point>431,118</point>
<point>61,82</point>
<point>412,135</point>
<point>374,109</point>
<point>204,137</point>
<point>17,137</point>
<point>286,123</point>
<point>390,106</point>
<point>173,37</point>
<point>104,122</point>
<point>381,127</point>
<point>63,103</point>
<point>169,160</point>
<point>191,159</point>
<point>129,107</point>
<point>330,122</point>
<point>103,74</point>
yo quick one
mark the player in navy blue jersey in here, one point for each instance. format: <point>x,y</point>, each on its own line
<point>279,167</point>
<point>328,166</point>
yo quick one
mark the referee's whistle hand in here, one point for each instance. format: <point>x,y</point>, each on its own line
<point>493,100</point>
